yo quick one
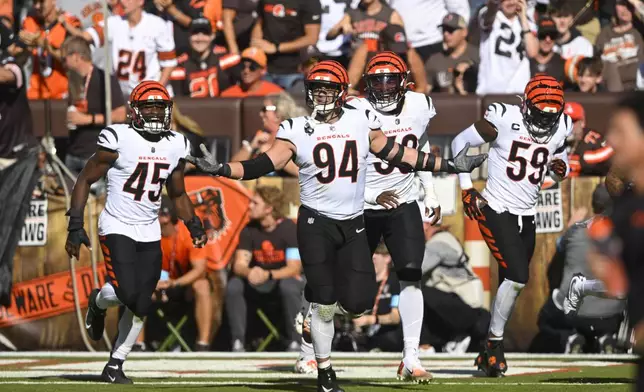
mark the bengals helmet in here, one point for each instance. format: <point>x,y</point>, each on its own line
<point>386,80</point>
<point>150,107</point>
<point>326,87</point>
<point>543,104</point>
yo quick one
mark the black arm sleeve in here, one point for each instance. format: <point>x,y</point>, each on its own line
<point>257,167</point>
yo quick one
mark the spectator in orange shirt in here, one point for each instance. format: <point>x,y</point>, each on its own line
<point>184,271</point>
<point>43,34</point>
<point>251,83</point>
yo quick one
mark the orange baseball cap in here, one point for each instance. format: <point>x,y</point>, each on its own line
<point>575,111</point>
<point>256,55</point>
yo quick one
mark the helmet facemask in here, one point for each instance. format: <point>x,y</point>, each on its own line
<point>324,97</point>
<point>385,90</point>
<point>541,124</point>
<point>153,116</point>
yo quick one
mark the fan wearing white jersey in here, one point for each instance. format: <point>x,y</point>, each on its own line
<point>391,211</point>
<point>527,142</point>
<point>507,43</point>
<point>142,45</point>
<point>138,159</point>
<point>331,149</point>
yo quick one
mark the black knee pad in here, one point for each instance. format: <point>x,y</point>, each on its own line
<point>518,274</point>
<point>323,295</point>
<point>356,306</point>
<point>143,306</point>
<point>409,274</point>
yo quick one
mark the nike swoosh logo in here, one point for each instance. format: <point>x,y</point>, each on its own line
<point>88,326</point>
<point>115,367</point>
<point>111,378</point>
<point>327,389</point>
<point>357,231</point>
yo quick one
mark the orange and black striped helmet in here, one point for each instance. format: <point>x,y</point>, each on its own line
<point>386,80</point>
<point>150,107</point>
<point>543,104</point>
<point>326,86</point>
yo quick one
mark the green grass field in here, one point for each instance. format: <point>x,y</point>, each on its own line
<point>226,372</point>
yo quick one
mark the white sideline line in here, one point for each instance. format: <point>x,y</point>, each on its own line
<point>285,355</point>
<point>277,384</point>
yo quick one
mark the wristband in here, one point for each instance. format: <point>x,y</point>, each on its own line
<point>277,47</point>
<point>270,275</point>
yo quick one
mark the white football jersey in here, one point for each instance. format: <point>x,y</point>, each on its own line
<point>517,165</point>
<point>504,67</point>
<point>333,160</point>
<point>139,52</point>
<point>407,128</point>
<point>135,180</point>
<point>332,13</point>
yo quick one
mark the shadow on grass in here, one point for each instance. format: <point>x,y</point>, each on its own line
<point>591,380</point>
<point>73,377</point>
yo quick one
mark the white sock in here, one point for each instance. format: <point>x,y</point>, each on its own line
<point>411,308</point>
<point>129,329</point>
<point>594,287</point>
<point>107,297</point>
<point>306,349</point>
<point>506,297</point>
<point>322,332</point>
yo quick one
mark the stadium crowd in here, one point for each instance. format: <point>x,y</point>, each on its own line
<point>239,48</point>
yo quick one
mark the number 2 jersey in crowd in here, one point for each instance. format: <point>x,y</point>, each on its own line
<point>139,52</point>
<point>333,159</point>
<point>408,129</point>
<point>135,180</point>
<point>517,165</point>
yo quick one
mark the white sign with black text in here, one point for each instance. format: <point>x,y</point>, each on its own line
<point>549,217</point>
<point>34,230</point>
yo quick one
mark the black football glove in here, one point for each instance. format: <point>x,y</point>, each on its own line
<point>208,164</point>
<point>463,163</point>
<point>197,232</point>
<point>76,235</point>
<point>472,203</point>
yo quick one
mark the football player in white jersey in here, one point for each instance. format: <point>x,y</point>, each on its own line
<point>507,41</point>
<point>527,143</point>
<point>331,149</point>
<point>142,45</point>
<point>138,159</point>
<point>391,211</point>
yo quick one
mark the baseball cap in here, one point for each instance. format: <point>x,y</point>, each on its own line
<point>601,200</point>
<point>575,111</point>
<point>453,21</point>
<point>256,55</point>
<point>547,26</point>
<point>394,39</point>
<point>200,25</point>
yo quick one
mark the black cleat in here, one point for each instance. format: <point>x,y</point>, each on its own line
<point>491,359</point>
<point>113,373</point>
<point>327,381</point>
<point>95,317</point>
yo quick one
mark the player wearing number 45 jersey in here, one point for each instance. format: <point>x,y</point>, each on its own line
<point>331,149</point>
<point>138,159</point>
<point>527,142</point>
<point>391,211</point>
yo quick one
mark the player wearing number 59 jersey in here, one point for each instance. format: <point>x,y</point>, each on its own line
<point>142,45</point>
<point>138,159</point>
<point>527,143</point>
<point>331,149</point>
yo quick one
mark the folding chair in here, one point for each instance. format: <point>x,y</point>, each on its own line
<point>175,333</point>
<point>272,331</point>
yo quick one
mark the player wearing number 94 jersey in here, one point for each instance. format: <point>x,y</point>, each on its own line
<point>331,148</point>
<point>138,159</point>
<point>527,142</point>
